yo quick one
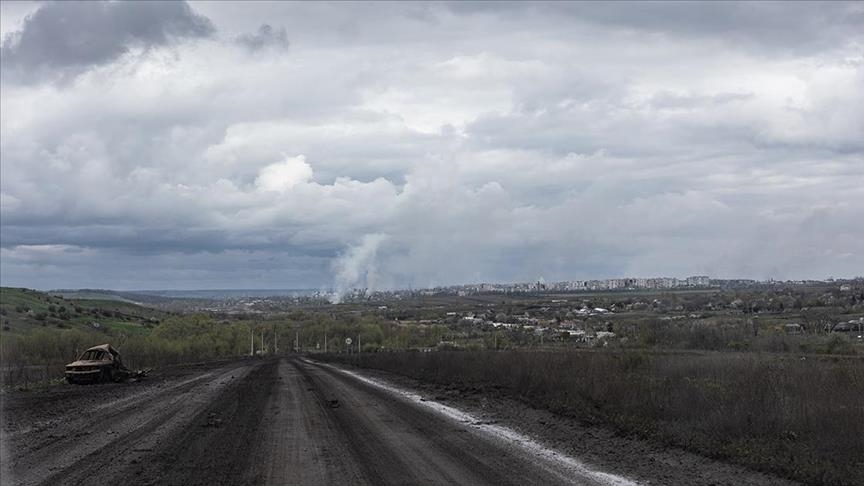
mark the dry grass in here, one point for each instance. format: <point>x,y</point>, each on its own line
<point>802,419</point>
<point>40,355</point>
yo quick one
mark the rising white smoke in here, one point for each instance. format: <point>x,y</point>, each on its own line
<point>357,267</point>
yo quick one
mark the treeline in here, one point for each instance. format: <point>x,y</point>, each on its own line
<point>730,334</point>
<point>797,418</point>
<point>41,354</point>
<point>308,332</point>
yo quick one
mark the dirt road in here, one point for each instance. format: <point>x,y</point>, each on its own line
<point>262,422</point>
<point>277,421</point>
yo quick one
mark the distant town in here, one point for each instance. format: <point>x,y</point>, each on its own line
<point>623,284</point>
<point>276,300</point>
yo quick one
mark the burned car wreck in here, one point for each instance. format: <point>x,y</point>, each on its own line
<point>99,364</point>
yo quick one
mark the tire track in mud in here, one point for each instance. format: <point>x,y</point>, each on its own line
<point>104,412</point>
<point>399,442</point>
<point>527,459</point>
<point>216,445</point>
<point>379,442</point>
<point>279,421</point>
<point>95,445</point>
<point>302,443</point>
<point>268,429</point>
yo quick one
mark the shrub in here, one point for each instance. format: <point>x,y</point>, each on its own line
<point>838,344</point>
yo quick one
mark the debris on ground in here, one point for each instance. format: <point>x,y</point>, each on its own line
<point>101,364</point>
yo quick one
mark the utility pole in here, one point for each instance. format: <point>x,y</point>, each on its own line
<point>251,342</point>
<point>275,340</point>
<point>262,342</point>
<point>325,340</point>
<point>296,341</point>
<point>359,349</point>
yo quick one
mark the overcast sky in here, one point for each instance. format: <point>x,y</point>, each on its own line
<point>289,145</point>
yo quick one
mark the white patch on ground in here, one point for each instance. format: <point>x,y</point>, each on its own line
<point>558,460</point>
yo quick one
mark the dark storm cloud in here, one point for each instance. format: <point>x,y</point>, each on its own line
<point>402,144</point>
<point>74,35</point>
<point>141,240</point>
<point>776,26</point>
<point>50,267</point>
<point>265,37</point>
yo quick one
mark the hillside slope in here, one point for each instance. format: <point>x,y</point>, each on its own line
<point>25,310</point>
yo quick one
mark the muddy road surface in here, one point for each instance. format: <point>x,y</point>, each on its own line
<point>295,421</point>
<point>277,421</point>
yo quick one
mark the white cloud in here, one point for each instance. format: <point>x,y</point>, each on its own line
<point>556,140</point>
<point>284,175</point>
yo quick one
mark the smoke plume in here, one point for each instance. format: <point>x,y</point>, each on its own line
<point>357,267</point>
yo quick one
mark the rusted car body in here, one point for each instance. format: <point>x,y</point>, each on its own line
<point>99,364</point>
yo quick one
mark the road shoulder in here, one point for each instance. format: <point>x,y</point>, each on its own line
<point>647,462</point>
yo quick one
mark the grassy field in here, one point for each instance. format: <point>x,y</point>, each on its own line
<point>23,311</point>
<point>42,332</point>
<point>799,418</point>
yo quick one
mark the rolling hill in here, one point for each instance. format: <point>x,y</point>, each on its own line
<point>24,310</point>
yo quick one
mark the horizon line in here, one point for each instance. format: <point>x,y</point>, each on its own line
<point>331,289</point>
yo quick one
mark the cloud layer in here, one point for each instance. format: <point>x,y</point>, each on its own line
<point>166,145</point>
<point>74,35</point>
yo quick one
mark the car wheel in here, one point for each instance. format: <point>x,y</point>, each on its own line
<point>107,376</point>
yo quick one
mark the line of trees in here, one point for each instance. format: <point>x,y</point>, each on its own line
<point>41,354</point>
